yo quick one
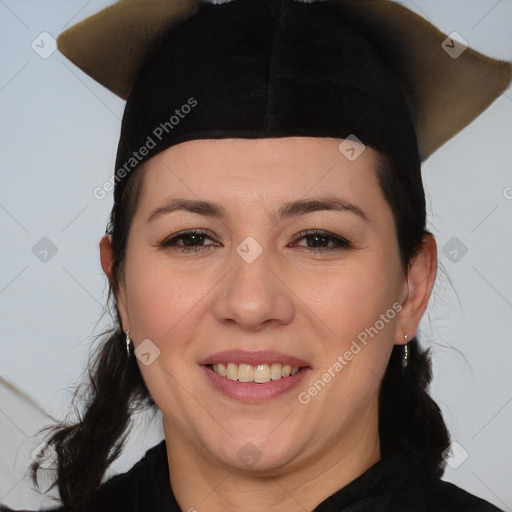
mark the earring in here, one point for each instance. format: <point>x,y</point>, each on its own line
<point>405,357</point>
<point>128,341</point>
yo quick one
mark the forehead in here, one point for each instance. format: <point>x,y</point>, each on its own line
<point>256,169</point>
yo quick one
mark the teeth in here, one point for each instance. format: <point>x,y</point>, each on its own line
<point>221,370</point>
<point>260,373</point>
<point>232,371</point>
<point>245,373</point>
<point>286,370</point>
<point>275,371</point>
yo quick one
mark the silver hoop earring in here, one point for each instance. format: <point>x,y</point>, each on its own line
<point>405,357</point>
<point>128,349</point>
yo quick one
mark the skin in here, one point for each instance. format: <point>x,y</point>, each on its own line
<point>312,306</point>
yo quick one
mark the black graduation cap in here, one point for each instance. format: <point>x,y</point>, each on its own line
<point>372,69</point>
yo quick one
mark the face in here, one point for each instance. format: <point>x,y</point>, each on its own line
<point>262,255</point>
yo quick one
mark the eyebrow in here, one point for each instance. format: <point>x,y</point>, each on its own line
<point>288,210</point>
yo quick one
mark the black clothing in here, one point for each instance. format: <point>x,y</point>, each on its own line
<point>391,485</point>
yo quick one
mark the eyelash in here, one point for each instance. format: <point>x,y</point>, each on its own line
<point>342,243</point>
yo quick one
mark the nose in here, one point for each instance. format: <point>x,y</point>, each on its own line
<point>254,294</point>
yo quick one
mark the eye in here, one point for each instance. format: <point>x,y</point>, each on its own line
<point>192,241</point>
<point>320,241</point>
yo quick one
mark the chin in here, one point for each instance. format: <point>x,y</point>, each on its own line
<point>247,454</point>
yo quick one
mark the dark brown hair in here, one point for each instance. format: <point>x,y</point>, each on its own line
<point>409,420</point>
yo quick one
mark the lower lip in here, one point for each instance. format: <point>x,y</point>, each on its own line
<point>253,392</point>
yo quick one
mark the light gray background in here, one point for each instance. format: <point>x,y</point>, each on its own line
<point>59,132</point>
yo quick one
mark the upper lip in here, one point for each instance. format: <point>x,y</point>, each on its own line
<point>252,358</point>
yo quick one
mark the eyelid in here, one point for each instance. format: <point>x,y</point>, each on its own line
<point>176,236</point>
<point>341,242</point>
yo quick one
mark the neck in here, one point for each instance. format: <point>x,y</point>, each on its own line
<point>199,482</point>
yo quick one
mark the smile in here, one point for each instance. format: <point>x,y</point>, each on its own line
<point>259,373</point>
<point>254,376</point>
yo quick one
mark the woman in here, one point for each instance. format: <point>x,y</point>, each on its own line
<point>268,256</point>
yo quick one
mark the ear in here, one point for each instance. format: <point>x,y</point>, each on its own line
<point>420,281</point>
<point>107,264</point>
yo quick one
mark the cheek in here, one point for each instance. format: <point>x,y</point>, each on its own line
<point>158,298</point>
<point>359,304</point>
<point>352,297</point>
<point>161,305</point>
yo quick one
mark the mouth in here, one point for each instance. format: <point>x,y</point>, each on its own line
<point>254,376</point>
<point>258,374</point>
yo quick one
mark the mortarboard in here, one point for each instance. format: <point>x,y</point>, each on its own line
<point>190,69</point>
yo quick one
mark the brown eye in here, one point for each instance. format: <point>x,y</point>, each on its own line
<point>191,241</point>
<point>318,241</point>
